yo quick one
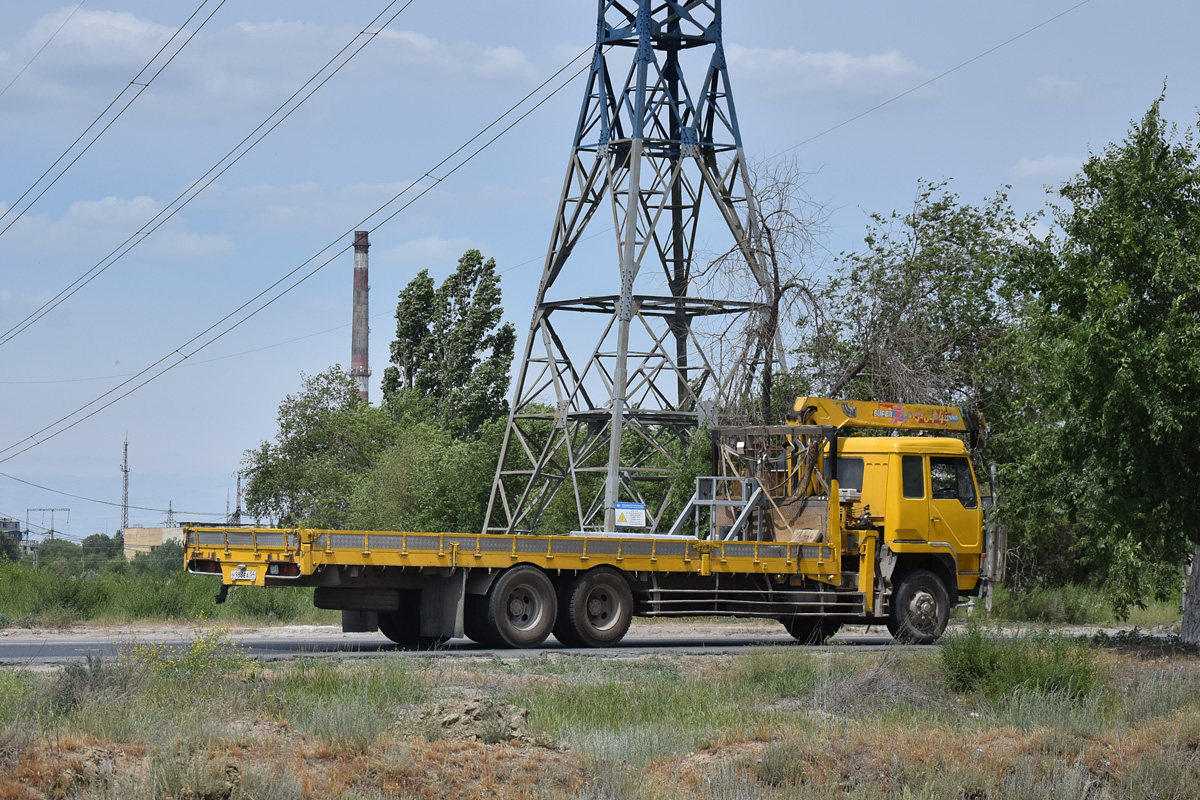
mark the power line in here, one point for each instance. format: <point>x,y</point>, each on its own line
<point>142,86</point>
<point>53,430</point>
<point>43,47</point>
<point>6,515</point>
<point>198,363</point>
<point>937,77</point>
<point>104,502</point>
<point>266,346</point>
<point>210,176</point>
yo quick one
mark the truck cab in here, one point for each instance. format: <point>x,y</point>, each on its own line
<point>921,493</point>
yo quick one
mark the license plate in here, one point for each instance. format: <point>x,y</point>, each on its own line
<point>243,574</point>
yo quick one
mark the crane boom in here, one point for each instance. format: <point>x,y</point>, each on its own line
<point>893,416</point>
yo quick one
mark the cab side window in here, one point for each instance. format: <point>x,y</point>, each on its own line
<point>850,473</point>
<point>950,478</point>
<point>912,474</point>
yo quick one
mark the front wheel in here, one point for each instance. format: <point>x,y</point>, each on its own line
<point>920,608</point>
<point>521,608</point>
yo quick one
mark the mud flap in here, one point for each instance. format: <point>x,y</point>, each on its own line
<point>442,600</point>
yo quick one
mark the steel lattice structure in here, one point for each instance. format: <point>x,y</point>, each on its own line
<point>609,424</point>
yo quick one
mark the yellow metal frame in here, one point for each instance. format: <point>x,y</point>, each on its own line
<point>312,550</point>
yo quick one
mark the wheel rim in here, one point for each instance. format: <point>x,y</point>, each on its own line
<point>923,610</point>
<point>602,607</point>
<point>524,608</point>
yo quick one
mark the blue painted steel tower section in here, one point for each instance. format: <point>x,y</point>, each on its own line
<point>611,424</point>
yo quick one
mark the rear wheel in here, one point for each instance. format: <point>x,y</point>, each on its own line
<point>920,608</point>
<point>521,608</point>
<point>811,630</point>
<point>597,608</point>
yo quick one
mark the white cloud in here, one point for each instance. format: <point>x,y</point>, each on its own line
<point>800,72</point>
<point>105,223</point>
<point>104,34</point>
<point>429,250</point>
<point>1047,169</point>
<point>240,65</point>
<point>468,59</point>
<point>306,206</point>
<point>96,52</point>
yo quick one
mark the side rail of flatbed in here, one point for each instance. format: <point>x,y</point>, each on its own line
<point>273,556</point>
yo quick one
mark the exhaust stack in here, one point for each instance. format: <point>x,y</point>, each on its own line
<point>359,327</point>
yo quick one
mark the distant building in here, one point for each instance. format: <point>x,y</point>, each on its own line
<point>29,548</point>
<point>12,529</point>
<point>147,540</point>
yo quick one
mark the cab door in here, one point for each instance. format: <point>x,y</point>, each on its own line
<point>954,511</point>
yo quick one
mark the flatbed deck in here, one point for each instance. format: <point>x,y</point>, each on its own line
<point>247,556</point>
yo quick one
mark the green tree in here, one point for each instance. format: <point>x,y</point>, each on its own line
<point>60,554</point>
<point>10,549</point>
<point>163,562</point>
<point>920,314</point>
<point>327,434</point>
<point>103,545</point>
<point>1115,353</point>
<point>451,355</point>
<point>429,481</point>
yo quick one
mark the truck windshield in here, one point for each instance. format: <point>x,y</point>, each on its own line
<point>950,479</point>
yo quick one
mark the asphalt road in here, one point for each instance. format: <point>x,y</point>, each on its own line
<point>42,649</point>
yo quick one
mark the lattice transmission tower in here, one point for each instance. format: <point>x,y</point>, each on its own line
<point>613,384</point>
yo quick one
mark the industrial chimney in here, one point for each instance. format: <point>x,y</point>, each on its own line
<point>359,326</point>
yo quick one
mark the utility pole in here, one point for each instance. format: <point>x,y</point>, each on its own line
<point>50,532</point>
<point>125,485</point>
<point>610,425</point>
<point>237,509</point>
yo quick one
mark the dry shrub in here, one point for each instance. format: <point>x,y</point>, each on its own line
<point>343,727</point>
<point>1162,692</point>
<point>875,691</point>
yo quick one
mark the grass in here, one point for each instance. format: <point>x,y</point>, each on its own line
<point>1079,605</point>
<point>983,660</point>
<point>1031,717</point>
<point>50,597</point>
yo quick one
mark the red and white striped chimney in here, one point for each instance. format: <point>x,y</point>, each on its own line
<point>359,327</point>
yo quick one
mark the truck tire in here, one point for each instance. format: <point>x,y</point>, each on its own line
<point>521,608</point>
<point>564,632</point>
<point>475,624</point>
<point>596,610</point>
<point>920,608</point>
<point>403,626</point>
<point>810,630</point>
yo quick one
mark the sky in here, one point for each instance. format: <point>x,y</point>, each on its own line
<point>868,97</point>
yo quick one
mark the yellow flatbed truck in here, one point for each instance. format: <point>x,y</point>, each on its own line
<point>800,522</point>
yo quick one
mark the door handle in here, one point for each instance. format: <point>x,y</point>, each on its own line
<point>935,519</point>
